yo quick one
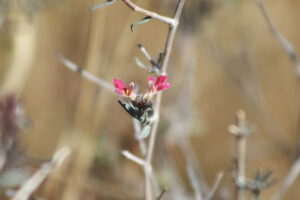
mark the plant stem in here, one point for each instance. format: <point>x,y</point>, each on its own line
<point>135,8</point>
<point>167,53</point>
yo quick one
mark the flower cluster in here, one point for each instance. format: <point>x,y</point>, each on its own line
<point>154,85</point>
<point>140,105</point>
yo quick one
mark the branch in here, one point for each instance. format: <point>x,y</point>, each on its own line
<point>189,157</point>
<point>194,182</point>
<point>240,130</point>
<point>289,49</point>
<point>36,179</point>
<point>215,186</point>
<point>135,8</point>
<point>289,180</point>
<point>173,24</point>
<point>283,42</point>
<point>133,158</point>
<point>153,63</point>
<point>73,67</point>
<point>162,194</point>
<point>166,58</point>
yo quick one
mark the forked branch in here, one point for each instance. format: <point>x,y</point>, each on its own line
<point>38,177</point>
<point>283,42</point>
<point>73,67</point>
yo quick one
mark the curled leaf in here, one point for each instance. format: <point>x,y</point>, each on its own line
<point>142,21</point>
<point>101,5</point>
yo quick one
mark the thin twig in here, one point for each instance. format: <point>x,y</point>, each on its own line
<point>191,166</point>
<point>143,149</point>
<point>133,158</point>
<point>289,180</point>
<point>194,182</point>
<point>142,163</point>
<point>215,186</point>
<point>162,194</point>
<point>73,67</point>
<point>167,53</point>
<point>154,65</point>
<point>171,21</point>
<point>2,159</point>
<point>283,42</point>
<point>145,52</point>
<point>179,125</point>
<point>35,181</point>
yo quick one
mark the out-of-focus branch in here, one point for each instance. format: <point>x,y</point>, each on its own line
<point>194,182</point>
<point>73,67</point>
<point>36,180</point>
<point>240,131</point>
<point>162,194</point>
<point>284,43</point>
<point>215,186</point>
<point>292,175</point>
<point>133,158</point>
<point>294,172</point>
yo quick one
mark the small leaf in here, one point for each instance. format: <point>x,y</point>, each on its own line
<point>160,58</point>
<point>141,64</point>
<point>101,5</point>
<point>142,21</point>
<point>145,132</point>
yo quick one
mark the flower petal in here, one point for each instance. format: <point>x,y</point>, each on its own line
<point>151,79</point>
<point>163,86</point>
<point>119,84</point>
<point>119,91</point>
<point>160,80</point>
<point>131,86</point>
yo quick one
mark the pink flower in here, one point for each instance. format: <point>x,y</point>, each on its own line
<point>158,84</point>
<point>122,89</point>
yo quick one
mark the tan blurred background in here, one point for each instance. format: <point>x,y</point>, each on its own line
<point>224,59</point>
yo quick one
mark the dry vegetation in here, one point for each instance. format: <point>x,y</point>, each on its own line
<point>223,59</point>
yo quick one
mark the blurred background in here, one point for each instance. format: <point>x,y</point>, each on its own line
<point>224,59</point>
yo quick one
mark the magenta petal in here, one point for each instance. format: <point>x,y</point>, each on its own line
<point>163,86</point>
<point>151,79</point>
<point>119,84</point>
<point>119,91</point>
<point>161,79</point>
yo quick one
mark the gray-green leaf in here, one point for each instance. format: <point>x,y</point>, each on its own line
<point>145,132</point>
<point>101,5</point>
<point>142,21</point>
<point>141,64</point>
